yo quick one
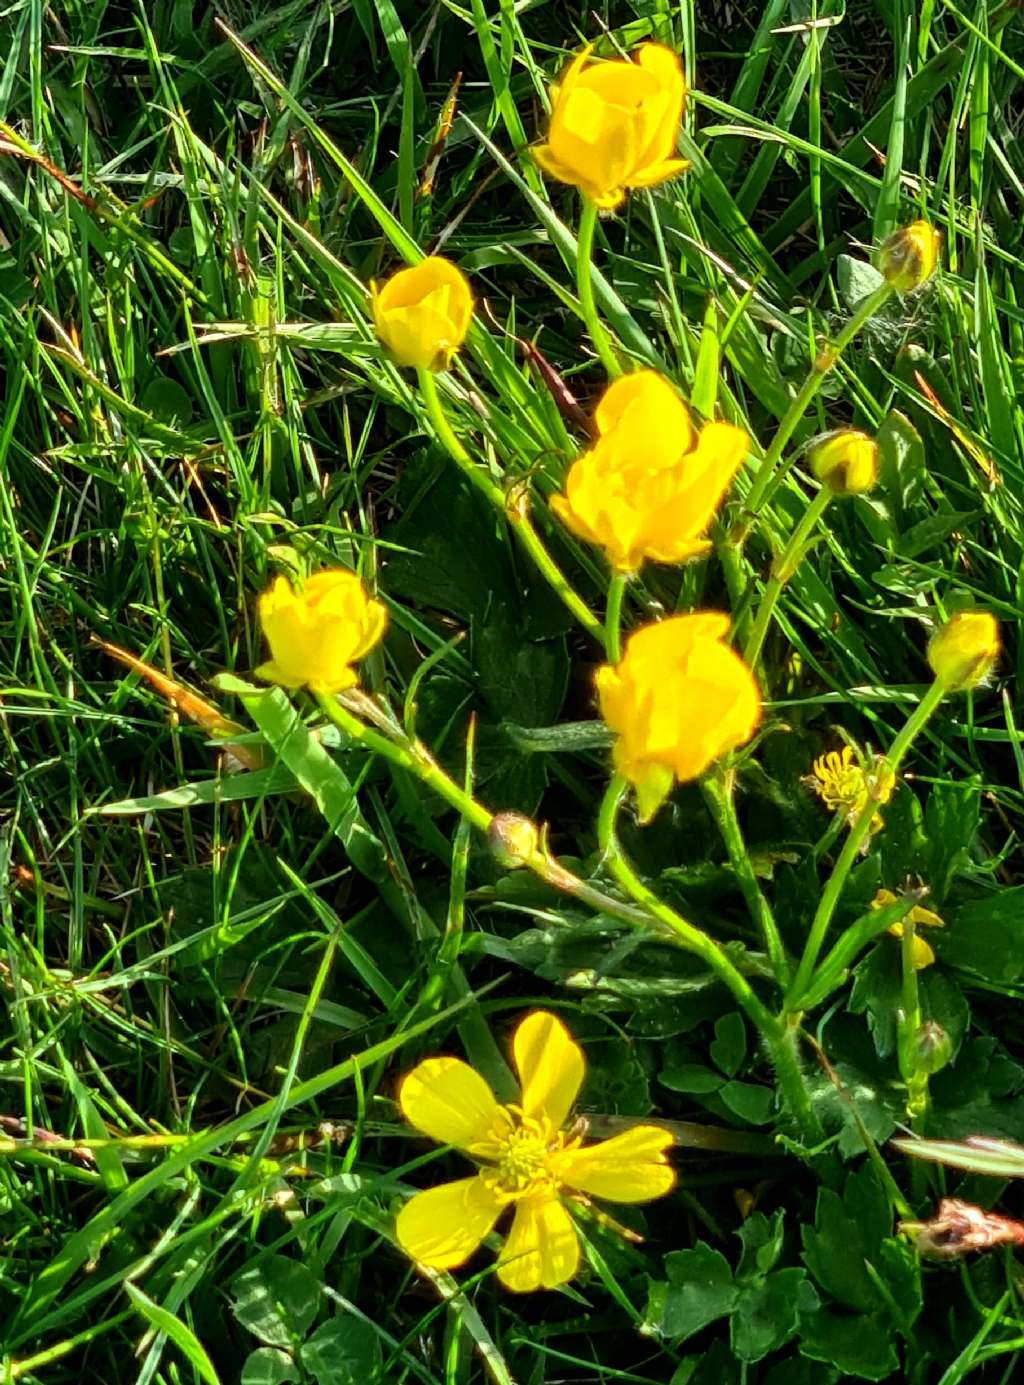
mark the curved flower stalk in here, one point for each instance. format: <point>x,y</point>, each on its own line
<point>528,1161</point>
<point>650,485</point>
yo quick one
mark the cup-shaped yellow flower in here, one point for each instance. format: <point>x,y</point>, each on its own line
<point>922,953</point>
<point>527,1161</point>
<point>317,633</point>
<point>846,461</point>
<point>614,124</point>
<point>679,698</point>
<point>650,485</point>
<point>422,314</point>
<point>907,259</point>
<point>964,652</point>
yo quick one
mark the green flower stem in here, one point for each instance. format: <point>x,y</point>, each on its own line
<point>801,402</point>
<point>516,514</point>
<point>851,848</point>
<point>585,289</point>
<point>613,618</point>
<point>782,570</point>
<point>779,1034</point>
<point>909,1024</point>
<point>718,795</point>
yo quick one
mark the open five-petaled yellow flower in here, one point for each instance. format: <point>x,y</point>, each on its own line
<point>650,485</point>
<point>527,1161</point>
<point>614,125</point>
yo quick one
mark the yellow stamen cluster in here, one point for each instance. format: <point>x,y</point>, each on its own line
<point>845,784</point>
<point>518,1156</point>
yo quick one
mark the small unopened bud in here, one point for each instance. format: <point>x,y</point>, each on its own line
<point>907,258</point>
<point>933,1048</point>
<point>846,461</point>
<point>964,652</point>
<point>513,839</point>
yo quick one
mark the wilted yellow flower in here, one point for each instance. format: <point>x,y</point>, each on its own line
<point>909,256</point>
<point>650,484</point>
<point>920,917</point>
<point>846,461</point>
<point>678,700</point>
<point>614,124</point>
<point>964,652</point>
<point>846,785</point>
<point>316,634</point>
<point>422,314</point>
<point>528,1161</point>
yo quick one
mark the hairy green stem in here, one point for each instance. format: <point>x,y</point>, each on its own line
<point>585,288</point>
<point>858,832</point>
<point>516,513</point>
<point>719,796</point>
<point>826,359</point>
<point>782,570</point>
<point>613,618</point>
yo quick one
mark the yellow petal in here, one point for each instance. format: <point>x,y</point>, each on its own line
<point>542,1249</point>
<point>550,1067</point>
<point>922,954</point>
<point>445,1099</point>
<point>630,1167</point>
<point>442,1226</point>
<point>658,173</point>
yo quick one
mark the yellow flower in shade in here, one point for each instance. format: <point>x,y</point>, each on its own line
<point>909,256</point>
<point>316,634</point>
<point>614,124</point>
<point>964,652</point>
<point>528,1161</point>
<point>678,700</point>
<point>650,485</point>
<point>923,956</point>
<point>845,784</point>
<point>422,314</point>
<point>846,461</point>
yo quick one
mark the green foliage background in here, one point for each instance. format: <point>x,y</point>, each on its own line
<point>190,395</point>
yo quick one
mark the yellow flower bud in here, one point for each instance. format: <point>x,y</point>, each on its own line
<point>650,485</point>
<point>678,700</point>
<point>963,653</point>
<point>316,634</point>
<point>614,124</point>
<point>846,461</point>
<point>513,839</point>
<point>422,314</point>
<point>908,257</point>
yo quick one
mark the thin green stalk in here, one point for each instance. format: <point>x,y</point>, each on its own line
<point>585,288</point>
<point>778,1035</point>
<point>851,848</point>
<point>613,618</point>
<point>782,570</point>
<point>718,795</point>
<point>516,514</point>
<point>909,1024</point>
<point>801,402</point>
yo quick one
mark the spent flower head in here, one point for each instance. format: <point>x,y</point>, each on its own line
<point>846,784</point>
<point>317,632</point>
<point>920,917</point>
<point>679,698</point>
<point>614,124</point>
<point>650,485</point>
<point>528,1162</point>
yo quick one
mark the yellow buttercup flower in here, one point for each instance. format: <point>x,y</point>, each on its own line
<point>614,125</point>
<point>845,785</point>
<point>650,485</point>
<point>678,700</point>
<point>846,461</point>
<point>528,1161</point>
<point>316,634</point>
<point>920,917</point>
<point>422,314</point>
<point>909,256</point>
<point>964,652</point>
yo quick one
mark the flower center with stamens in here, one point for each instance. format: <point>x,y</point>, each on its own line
<point>518,1155</point>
